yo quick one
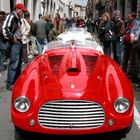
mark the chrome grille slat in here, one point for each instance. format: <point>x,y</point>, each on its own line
<point>71,114</point>
<point>71,103</point>
<point>70,110</point>
<point>73,122</point>
<point>76,126</point>
<point>64,119</point>
<point>70,106</point>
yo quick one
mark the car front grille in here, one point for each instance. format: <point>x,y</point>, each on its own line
<point>71,114</point>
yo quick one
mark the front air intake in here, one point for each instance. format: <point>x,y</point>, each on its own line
<point>71,114</point>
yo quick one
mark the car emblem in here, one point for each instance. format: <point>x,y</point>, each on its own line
<point>72,86</point>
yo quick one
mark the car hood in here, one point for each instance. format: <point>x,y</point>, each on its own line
<point>72,74</point>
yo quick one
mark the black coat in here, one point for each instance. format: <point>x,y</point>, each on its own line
<point>11,25</point>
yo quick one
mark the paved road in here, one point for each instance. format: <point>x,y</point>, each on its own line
<point>7,129</point>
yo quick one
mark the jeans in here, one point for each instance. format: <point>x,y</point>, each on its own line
<point>129,55</point>
<point>107,47</point>
<point>24,54</point>
<point>4,51</point>
<point>138,65</point>
<point>1,61</point>
<point>119,51</point>
<point>15,60</point>
<point>1,56</point>
<point>41,44</point>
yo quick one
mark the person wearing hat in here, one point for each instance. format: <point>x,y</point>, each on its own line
<point>12,32</point>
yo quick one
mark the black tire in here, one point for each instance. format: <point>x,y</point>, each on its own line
<point>123,132</point>
<point>21,132</point>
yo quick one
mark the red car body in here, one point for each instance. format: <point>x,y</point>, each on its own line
<point>72,91</point>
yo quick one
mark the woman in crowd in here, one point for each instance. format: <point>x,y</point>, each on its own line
<point>105,33</point>
<point>58,24</point>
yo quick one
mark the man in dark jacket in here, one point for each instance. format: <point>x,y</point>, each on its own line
<point>118,43</point>
<point>2,17</point>
<point>12,32</point>
<point>135,40</point>
<point>41,34</point>
<point>129,54</point>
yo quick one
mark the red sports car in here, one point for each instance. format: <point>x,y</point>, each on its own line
<point>72,89</point>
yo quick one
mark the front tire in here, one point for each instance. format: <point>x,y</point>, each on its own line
<point>125,131</point>
<point>21,132</point>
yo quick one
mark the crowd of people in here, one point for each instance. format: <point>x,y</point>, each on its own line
<point>121,41</point>
<point>21,39</point>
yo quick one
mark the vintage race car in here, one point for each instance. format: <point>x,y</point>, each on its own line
<point>72,89</point>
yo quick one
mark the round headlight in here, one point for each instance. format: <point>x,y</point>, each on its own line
<point>121,105</point>
<point>22,104</point>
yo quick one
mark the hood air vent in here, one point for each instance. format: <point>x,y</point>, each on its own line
<point>90,62</point>
<point>55,62</point>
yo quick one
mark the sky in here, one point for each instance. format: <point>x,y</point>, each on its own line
<point>81,2</point>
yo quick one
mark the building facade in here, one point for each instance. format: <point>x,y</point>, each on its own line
<point>45,7</point>
<point>98,7</point>
<point>80,11</point>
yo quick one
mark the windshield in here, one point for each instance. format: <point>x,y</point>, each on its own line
<point>73,43</point>
<point>76,33</point>
<point>75,29</point>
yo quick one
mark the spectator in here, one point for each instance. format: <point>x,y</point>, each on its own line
<point>51,35</point>
<point>135,40</point>
<point>82,23</point>
<point>77,21</point>
<point>129,50</point>
<point>58,24</point>
<point>41,34</point>
<point>40,16</point>
<point>66,22</point>
<point>105,27</point>
<point>13,33</point>
<point>25,28</point>
<point>2,41</point>
<point>118,43</point>
<point>90,25</point>
<point>31,48</point>
<point>97,21</point>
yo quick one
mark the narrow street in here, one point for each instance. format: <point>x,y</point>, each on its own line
<point>7,131</point>
<point>83,101</point>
